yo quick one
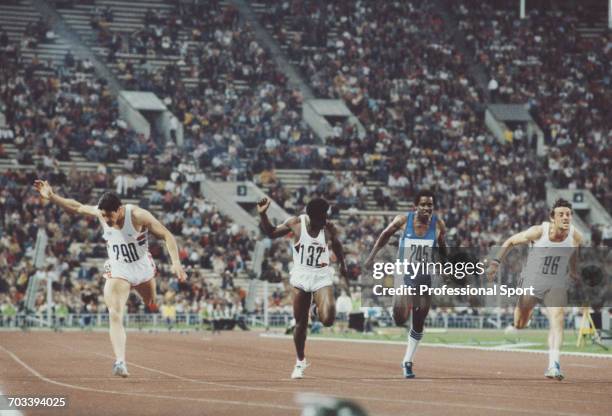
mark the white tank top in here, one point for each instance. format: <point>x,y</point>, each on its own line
<point>310,254</point>
<point>125,245</point>
<point>550,259</point>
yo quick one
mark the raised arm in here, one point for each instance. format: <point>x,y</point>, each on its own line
<point>147,220</point>
<point>268,229</point>
<point>70,205</point>
<point>398,222</point>
<point>524,237</point>
<point>336,247</point>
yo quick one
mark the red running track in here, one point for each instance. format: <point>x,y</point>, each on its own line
<point>242,373</point>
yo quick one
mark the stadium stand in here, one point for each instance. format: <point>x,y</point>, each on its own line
<point>415,95</point>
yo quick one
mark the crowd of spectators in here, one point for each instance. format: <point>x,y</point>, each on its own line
<point>397,69</point>
<point>563,75</point>
<point>223,87</point>
<point>208,239</point>
<point>394,65</point>
<point>64,109</point>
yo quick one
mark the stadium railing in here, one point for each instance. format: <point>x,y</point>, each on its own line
<point>195,321</point>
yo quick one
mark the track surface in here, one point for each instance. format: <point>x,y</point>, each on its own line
<point>241,373</point>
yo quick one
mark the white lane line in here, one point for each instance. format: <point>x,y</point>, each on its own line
<point>438,403</point>
<point>581,365</point>
<point>515,346</point>
<point>157,396</point>
<point>450,346</point>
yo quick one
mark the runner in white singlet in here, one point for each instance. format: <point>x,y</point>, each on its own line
<point>129,264</point>
<point>551,264</point>
<point>311,274</point>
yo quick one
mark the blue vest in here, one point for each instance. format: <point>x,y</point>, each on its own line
<point>415,248</point>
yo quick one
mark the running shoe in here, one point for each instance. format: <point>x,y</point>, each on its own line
<point>298,370</point>
<point>407,367</point>
<point>120,369</point>
<point>554,372</point>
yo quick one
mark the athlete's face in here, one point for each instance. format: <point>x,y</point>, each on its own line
<point>318,222</point>
<point>111,217</point>
<point>562,218</point>
<point>425,207</point>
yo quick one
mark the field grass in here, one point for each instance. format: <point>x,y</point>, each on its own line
<point>526,339</point>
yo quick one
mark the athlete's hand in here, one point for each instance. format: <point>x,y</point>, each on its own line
<point>263,205</point>
<point>43,188</point>
<point>492,270</point>
<point>180,272</point>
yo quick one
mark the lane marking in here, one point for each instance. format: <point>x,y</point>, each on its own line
<point>353,383</point>
<point>157,396</point>
<point>450,346</point>
<point>437,403</point>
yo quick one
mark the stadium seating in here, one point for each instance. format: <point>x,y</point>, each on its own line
<point>415,95</point>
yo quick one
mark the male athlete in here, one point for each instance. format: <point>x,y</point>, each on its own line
<point>551,260</point>
<point>129,262</point>
<point>422,232</point>
<point>311,274</point>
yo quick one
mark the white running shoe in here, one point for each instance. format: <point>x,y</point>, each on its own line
<point>120,369</point>
<point>554,372</point>
<point>298,370</point>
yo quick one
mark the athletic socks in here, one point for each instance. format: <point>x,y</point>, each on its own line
<point>553,357</point>
<point>413,341</point>
<point>300,363</point>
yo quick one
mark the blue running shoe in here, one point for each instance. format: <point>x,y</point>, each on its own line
<point>407,366</point>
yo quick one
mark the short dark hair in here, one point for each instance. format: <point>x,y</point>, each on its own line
<point>317,209</point>
<point>424,193</point>
<point>109,202</point>
<point>560,203</point>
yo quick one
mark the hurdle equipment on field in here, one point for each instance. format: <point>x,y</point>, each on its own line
<point>587,330</point>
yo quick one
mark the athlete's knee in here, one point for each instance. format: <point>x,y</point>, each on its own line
<point>556,316</point>
<point>327,314</point>
<point>418,326</point>
<point>301,324</point>
<point>115,315</point>
<point>521,320</point>
<point>520,324</point>
<point>400,316</point>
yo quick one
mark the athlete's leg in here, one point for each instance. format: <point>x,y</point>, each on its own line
<point>522,312</point>
<point>401,309</point>
<point>147,292</point>
<point>420,309</point>
<point>554,300</point>
<point>116,293</point>
<point>326,305</point>
<point>301,307</point>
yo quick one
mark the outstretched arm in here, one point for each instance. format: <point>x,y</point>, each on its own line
<point>268,229</point>
<point>148,221</point>
<point>397,223</point>
<point>524,237</point>
<point>70,205</point>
